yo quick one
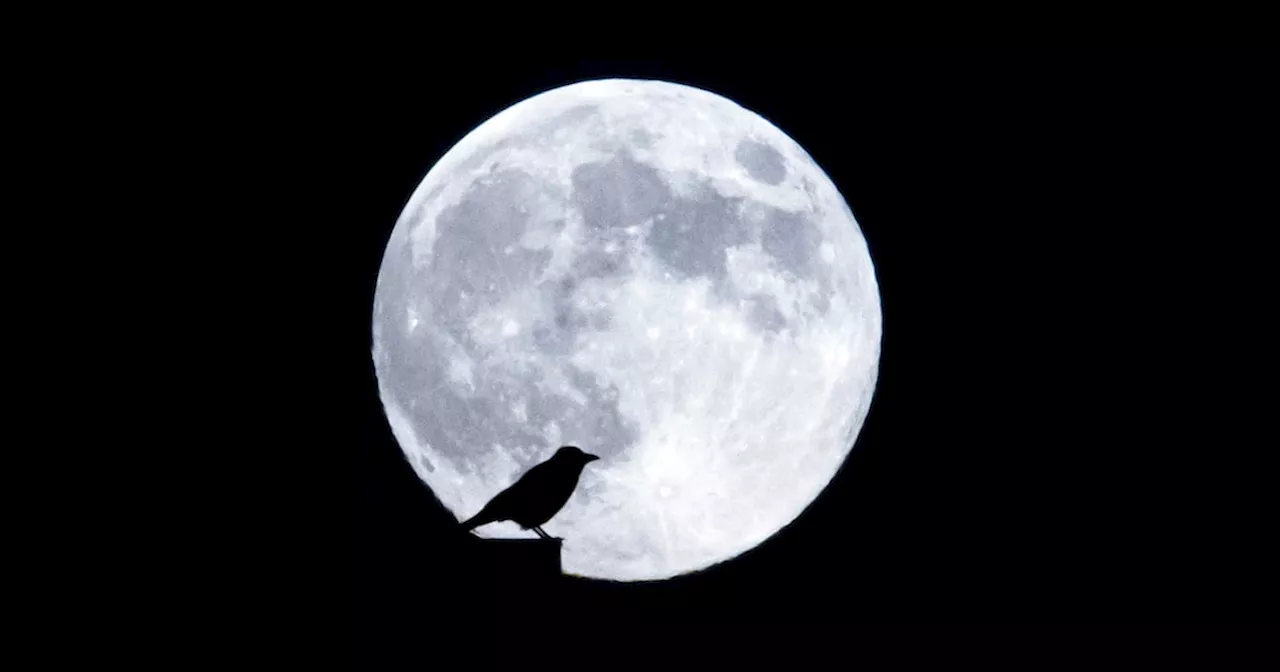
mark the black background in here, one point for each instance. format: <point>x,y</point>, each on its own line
<point>1058,430</point>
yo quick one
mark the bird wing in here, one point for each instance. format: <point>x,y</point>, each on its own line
<point>509,501</point>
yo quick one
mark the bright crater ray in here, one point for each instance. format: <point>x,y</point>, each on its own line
<point>651,272</point>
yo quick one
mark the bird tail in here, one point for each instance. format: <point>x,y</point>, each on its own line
<point>475,521</point>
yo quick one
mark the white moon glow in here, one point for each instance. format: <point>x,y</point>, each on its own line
<point>648,271</point>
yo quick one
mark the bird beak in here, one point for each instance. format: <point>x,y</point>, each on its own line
<point>592,458</point>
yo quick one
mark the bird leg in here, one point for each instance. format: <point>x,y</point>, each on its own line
<point>543,533</point>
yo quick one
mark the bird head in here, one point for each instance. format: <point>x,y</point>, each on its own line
<point>575,454</point>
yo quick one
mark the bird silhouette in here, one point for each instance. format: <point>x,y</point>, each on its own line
<point>537,495</point>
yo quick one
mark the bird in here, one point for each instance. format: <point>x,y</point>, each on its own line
<point>537,495</point>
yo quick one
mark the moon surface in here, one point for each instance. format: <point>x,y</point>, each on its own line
<point>648,271</point>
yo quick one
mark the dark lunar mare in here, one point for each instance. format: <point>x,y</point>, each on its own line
<point>689,234</point>
<point>469,270</point>
<point>762,161</point>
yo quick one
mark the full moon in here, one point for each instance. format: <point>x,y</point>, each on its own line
<point>648,271</point>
